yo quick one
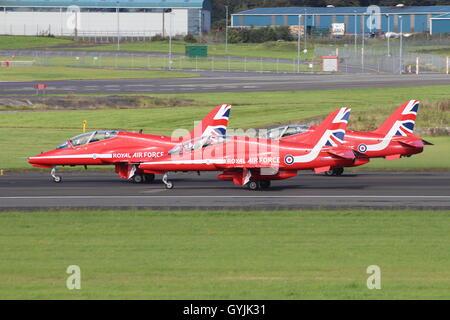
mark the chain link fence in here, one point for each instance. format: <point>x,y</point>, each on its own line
<point>393,56</point>
<point>127,60</point>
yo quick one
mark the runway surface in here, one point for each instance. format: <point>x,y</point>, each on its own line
<point>377,190</point>
<point>227,82</point>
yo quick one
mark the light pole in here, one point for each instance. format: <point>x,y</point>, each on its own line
<point>298,42</point>
<point>226,30</point>
<point>401,44</point>
<point>363,40</point>
<point>304,31</point>
<point>118,27</point>
<point>389,35</point>
<point>356,33</point>
<point>170,40</point>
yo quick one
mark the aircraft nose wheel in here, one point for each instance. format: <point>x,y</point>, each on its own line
<point>56,179</point>
<point>169,184</point>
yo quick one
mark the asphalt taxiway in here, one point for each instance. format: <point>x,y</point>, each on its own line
<point>227,82</point>
<point>376,190</point>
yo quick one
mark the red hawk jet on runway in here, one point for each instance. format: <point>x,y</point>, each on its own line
<point>126,150</point>
<point>254,162</point>
<point>394,139</point>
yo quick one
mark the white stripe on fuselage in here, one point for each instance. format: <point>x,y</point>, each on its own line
<point>201,161</point>
<point>316,150</point>
<point>76,156</point>
<point>386,140</point>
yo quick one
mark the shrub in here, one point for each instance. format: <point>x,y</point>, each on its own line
<point>189,38</point>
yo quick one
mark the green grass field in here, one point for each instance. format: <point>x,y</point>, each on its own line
<point>225,255</point>
<point>27,133</point>
<point>28,42</point>
<point>40,73</point>
<point>280,50</point>
<point>178,63</point>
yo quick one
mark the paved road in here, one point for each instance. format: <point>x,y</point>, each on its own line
<point>35,190</point>
<point>227,82</point>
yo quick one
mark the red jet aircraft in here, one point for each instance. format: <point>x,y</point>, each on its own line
<point>125,150</point>
<point>254,162</point>
<point>394,139</point>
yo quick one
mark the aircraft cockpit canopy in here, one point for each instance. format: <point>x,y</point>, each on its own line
<point>89,137</point>
<point>197,143</point>
<point>281,132</point>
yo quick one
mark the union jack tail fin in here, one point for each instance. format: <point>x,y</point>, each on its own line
<point>331,132</point>
<point>214,124</point>
<point>404,119</point>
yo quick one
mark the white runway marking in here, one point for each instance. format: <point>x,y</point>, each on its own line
<point>200,196</point>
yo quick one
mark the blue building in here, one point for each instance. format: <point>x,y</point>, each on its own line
<point>105,17</point>
<point>440,24</point>
<point>412,19</point>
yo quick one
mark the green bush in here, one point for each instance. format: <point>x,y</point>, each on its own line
<point>159,37</point>
<point>259,35</point>
<point>189,38</point>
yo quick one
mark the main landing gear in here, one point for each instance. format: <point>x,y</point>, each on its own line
<point>257,185</point>
<point>143,178</point>
<point>335,172</point>
<point>169,184</point>
<point>56,178</point>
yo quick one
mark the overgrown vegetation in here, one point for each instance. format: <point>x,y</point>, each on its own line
<point>259,35</point>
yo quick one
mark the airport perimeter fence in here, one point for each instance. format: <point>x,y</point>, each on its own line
<point>126,60</point>
<point>384,59</point>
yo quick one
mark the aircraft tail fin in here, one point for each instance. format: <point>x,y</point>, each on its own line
<point>405,116</point>
<point>215,123</point>
<point>331,132</point>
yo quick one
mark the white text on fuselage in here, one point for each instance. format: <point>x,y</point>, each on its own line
<point>138,155</point>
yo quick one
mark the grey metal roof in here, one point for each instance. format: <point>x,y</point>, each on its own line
<point>108,3</point>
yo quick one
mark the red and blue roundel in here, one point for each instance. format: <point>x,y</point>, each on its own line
<point>289,159</point>
<point>362,148</point>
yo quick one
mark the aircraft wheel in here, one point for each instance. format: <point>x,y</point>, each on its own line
<point>338,171</point>
<point>329,172</point>
<point>149,178</point>
<point>57,179</point>
<point>264,184</point>
<point>169,185</point>
<point>137,178</point>
<point>253,185</point>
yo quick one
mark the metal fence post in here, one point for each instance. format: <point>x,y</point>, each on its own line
<point>447,65</point>
<point>417,65</point>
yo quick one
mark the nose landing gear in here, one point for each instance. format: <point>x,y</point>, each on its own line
<point>169,184</point>
<point>56,178</point>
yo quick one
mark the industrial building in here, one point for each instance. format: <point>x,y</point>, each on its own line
<point>440,24</point>
<point>354,19</point>
<point>105,17</point>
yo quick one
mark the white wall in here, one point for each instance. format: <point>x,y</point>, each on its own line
<point>93,23</point>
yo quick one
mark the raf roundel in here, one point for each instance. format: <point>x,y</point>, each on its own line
<point>362,148</point>
<point>289,159</point>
